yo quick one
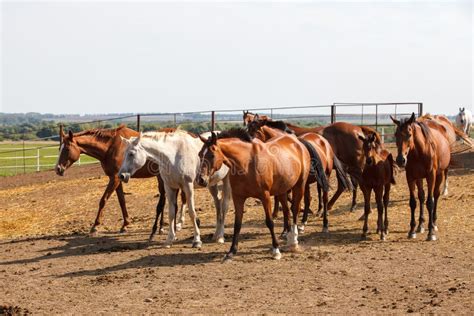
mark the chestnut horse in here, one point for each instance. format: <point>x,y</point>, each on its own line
<point>259,170</point>
<point>346,145</point>
<point>425,154</point>
<point>322,158</point>
<point>378,177</point>
<point>106,146</point>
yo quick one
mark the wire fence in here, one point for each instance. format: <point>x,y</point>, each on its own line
<point>23,157</point>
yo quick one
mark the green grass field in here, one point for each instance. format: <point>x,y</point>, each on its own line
<point>12,161</point>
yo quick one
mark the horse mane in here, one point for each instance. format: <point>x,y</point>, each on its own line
<point>239,133</point>
<point>426,133</point>
<point>101,132</point>
<point>155,135</point>
<point>279,125</point>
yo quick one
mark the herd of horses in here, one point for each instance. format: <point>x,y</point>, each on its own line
<point>266,159</point>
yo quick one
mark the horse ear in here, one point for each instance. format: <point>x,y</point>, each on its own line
<point>71,135</point>
<point>463,109</point>
<point>361,136</point>
<point>203,139</point>
<point>256,117</point>
<point>125,140</point>
<point>135,140</point>
<point>412,118</point>
<point>460,110</point>
<point>213,138</point>
<point>394,120</point>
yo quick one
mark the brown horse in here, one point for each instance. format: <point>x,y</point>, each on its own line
<point>322,158</point>
<point>106,146</point>
<point>378,176</point>
<point>425,153</point>
<point>346,145</point>
<point>259,170</point>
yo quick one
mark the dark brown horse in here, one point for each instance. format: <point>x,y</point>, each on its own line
<point>378,176</point>
<point>425,154</point>
<point>106,146</point>
<point>322,158</point>
<point>259,170</point>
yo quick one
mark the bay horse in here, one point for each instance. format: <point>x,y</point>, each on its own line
<point>378,176</point>
<point>106,146</point>
<point>425,154</point>
<point>322,158</point>
<point>176,154</point>
<point>259,170</point>
<point>346,145</point>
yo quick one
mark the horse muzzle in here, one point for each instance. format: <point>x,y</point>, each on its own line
<point>60,170</point>
<point>401,161</point>
<point>124,176</point>
<point>200,181</point>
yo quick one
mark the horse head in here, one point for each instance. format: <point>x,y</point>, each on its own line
<point>69,153</point>
<point>369,147</point>
<point>404,138</point>
<point>134,158</point>
<point>211,159</point>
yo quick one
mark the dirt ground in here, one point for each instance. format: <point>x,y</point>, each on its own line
<point>49,264</point>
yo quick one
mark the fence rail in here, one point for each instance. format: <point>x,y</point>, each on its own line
<point>369,114</point>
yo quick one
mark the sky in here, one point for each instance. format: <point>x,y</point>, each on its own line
<point>157,56</point>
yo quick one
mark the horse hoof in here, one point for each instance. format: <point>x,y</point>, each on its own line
<point>220,240</point>
<point>150,239</point>
<point>411,235</point>
<point>197,244</point>
<point>435,228</point>
<point>386,232</point>
<point>284,235</point>
<point>383,238</point>
<point>276,254</point>
<point>93,232</point>
<point>227,258</point>
<point>325,230</point>
<point>123,230</point>
<point>161,231</point>
<point>179,226</point>
<point>420,229</point>
<point>431,237</point>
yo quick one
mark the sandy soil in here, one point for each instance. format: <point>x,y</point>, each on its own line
<point>48,263</point>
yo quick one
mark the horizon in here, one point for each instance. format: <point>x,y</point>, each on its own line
<point>156,57</point>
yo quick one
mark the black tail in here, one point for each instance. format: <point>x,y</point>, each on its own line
<point>392,168</point>
<point>342,176</point>
<point>317,166</point>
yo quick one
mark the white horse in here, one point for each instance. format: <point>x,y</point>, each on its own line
<point>464,120</point>
<point>176,154</point>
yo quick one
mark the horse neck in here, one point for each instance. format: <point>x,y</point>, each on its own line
<point>270,132</point>
<point>421,145</point>
<point>93,147</point>
<point>237,154</point>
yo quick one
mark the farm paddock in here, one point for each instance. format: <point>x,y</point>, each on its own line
<point>49,264</point>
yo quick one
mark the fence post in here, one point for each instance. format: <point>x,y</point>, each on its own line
<point>271,113</point>
<point>24,158</point>
<point>362,116</point>
<point>174,119</point>
<point>37,159</point>
<point>376,117</point>
<point>138,122</point>
<point>420,109</point>
<point>333,114</point>
<point>79,161</point>
<point>61,133</point>
<point>213,120</point>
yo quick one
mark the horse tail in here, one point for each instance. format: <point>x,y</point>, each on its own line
<point>342,176</point>
<point>463,136</point>
<point>317,166</point>
<point>392,168</point>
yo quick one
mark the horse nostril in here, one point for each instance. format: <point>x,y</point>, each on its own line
<point>369,161</point>
<point>121,176</point>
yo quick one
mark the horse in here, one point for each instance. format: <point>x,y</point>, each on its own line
<point>176,154</point>
<point>259,170</point>
<point>378,176</point>
<point>249,117</point>
<point>323,161</point>
<point>106,146</point>
<point>346,146</point>
<point>464,120</point>
<point>425,154</point>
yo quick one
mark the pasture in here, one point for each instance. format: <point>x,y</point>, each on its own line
<point>49,264</point>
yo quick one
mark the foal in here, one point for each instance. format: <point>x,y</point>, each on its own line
<point>377,176</point>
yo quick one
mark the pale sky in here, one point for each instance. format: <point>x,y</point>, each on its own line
<point>101,57</point>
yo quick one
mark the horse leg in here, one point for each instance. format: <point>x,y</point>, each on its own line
<point>283,199</point>
<point>307,202</point>
<point>437,192</point>
<point>171,195</point>
<point>180,217</point>
<point>386,199</point>
<point>411,188</point>
<point>431,180</point>
<point>325,213</point>
<point>340,189</point>
<point>159,209</point>
<point>226,195</point>
<point>123,207</point>
<point>355,183</point>
<point>219,233</point>
<point>188,190</point>
<point>320,204</point>
<point>297,194</point>
<point>239,203</point>
<point>276,208</point>
<point>445,189</point>
<point>266,201</point>
<point>378,200</point>
<point>421,197</point>
<point>366,192</point>
<point>113,183</point>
